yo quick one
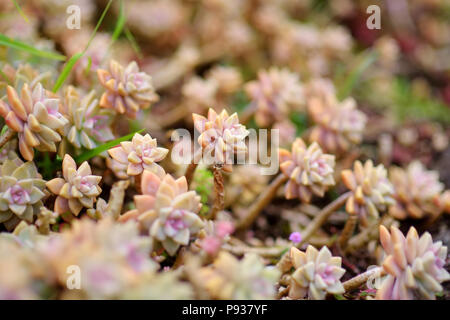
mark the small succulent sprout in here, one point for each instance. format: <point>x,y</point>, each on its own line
<point>21,192</point>
<point>316,274</point>
<point>416,191</point>
<point>371,190</point>
<point>36,118</point>
<point>246,279</point>
<point>88,126</point>
<point>275,94</point>
<point>77,189</point>
<point>45,218</point>
<point>127,89</point>
<point>309,170</point>
<point>221,136</point>
<point>139,154</point>
<point>339,125</point>
<point>168,210</point>
<point>414,266</point>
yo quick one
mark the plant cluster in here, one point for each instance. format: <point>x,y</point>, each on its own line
<point>90,184</point>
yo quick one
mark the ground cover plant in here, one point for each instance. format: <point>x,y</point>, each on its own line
<point>224,149</point>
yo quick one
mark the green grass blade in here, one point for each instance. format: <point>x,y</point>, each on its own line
<point>108,145</point>
<point>120,24</point>
<point>99,22</point>
<point>15,44</point>
<point>133,43</point>
<point>21,11</point>
<point>66,71</point>
<point>355,74</point>
<point>73,60</point>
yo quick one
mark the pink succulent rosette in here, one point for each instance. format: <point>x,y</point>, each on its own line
<point>417,191</point>
<point>35,116</point>
<point>127,89</point>
<point>77,189</point>
<point>371,190</point>
<point>139,154</point>
<point>316,274</point>
<point>275,94</point>
<point>414,266</point>
<point>339,125</point>
<point>167,209</point>
<point>309,170</point>
<point>221,137</point>
<point>21,192</point>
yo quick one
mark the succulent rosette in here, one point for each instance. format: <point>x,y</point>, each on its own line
<point>339,125</point>
<point>221,137</point>
<point>21,192</point>
<point>414,266</point>
<point>77,189</point>
<point>167,209</point>
<point>127,89</point>
<point>316,274</point>
<point>246,279</point>
<point>139,154</point>
<point>417,191</point>
<point>274,95</point>
<point>88,126</point>
<point>371,190</point>
<point>199,93</point>
<point>34,115</point>
<point>309,170</point>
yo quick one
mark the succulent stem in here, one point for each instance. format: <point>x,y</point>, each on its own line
<point>6,136</point>
<point>322,216</point>
<point>347,232</point>
<point>268,252</point>
<point>262,201</point>
<point>219,199</point>
<point>190,172</point>
<point>362,278</point>
<point>369,233</point>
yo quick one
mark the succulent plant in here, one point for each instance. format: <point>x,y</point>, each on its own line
<point>274,95</point>
<point>246,279</point>
<point>228,79</point>
<point>113,257</point>
<point>416,191</point>
<point>8,151</point>
<point>35,116</point>
<point>23,270</point>
<point>77,189</point>
<point>21,192</point>
<point>127,89</point>
<point>339,125</point>
<point>414,266</point>
<point>199,93</point>
<point>221,136</point>
<point>88,126</point>
<point>139,155</point>
<point>309,170</point>
<point>316,274</point>
<point>371,190</point>
<point>167,209</point>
